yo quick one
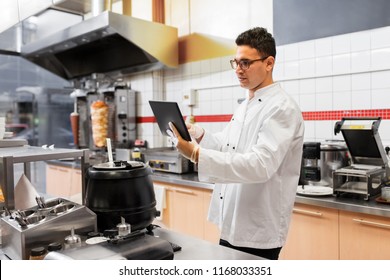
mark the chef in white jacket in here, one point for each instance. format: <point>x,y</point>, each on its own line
<point>255,161</point>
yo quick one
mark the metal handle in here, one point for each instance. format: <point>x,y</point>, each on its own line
<point>369,223</point>
<point>63,170</point>
<point>312,213</point>
<point>185,191</point>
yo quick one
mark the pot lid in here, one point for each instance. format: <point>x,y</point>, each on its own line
<point>118,165</point>
<point>333,145</point>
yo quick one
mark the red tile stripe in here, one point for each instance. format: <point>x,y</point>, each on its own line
<point>337,115</point>
<point>307,116</point>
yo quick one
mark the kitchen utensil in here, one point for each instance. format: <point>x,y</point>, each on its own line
<point>109,151</point>
<point>385,193</point>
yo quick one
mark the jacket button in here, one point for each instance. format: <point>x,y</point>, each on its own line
<point>227,144</point>
<point>220,197</point>
<point>234,148</point>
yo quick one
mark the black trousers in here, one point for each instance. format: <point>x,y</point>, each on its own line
<point>271,254</point>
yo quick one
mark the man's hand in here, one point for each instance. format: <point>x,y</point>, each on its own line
<point>195,131</point>
<point>187,149</point>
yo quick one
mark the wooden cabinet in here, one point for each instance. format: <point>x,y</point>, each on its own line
<point>313,234</point>
<point>211,231</point>
<point>186,211</point>
<point>364,237</point>
<point>62,181</point>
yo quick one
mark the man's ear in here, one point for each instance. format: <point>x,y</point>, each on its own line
<point>270,62</point>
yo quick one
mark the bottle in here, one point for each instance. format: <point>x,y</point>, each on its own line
<point>37,253</point>
<point>55,246</point>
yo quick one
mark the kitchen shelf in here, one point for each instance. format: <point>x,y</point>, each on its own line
<point>26,155</point>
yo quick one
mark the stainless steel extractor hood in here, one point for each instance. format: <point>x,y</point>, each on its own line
<point>109,43</point>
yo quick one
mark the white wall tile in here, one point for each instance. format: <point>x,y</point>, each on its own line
<point>380,98</point>
<point>186,69</point>
<point>291,69</point>
<point>361,99</point>
<point>361,81</point>
<point>384,132</point>
<point>280,54</point>
<point>341,63</point>
<point>380,38</point>
<point>342,83</point>
<point>291,87</point>
<point>324,101</point>
<point>205,81</point>
<point>310,131</point>
<point>324,130</point>
<point>278,72</point>
<point>195,68</point>
<point>306,49</point>
<point>380,80</point>
<point>205,66</point>
<point>324,66</point>
<point>323,46</point>
<point>291,52</point>
<point>307,68</point>
<point>342,100</point>
<point>307,86</point>
<point>341,44</point>
<point>360,61</point>
<point>380,59</point>
<point>215,64</point>
<point>360,41</point>
<point>307,102</point>
<point>324,84</point>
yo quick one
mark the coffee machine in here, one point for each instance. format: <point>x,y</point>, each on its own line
<point>121,123</point>
<point>319,161</point>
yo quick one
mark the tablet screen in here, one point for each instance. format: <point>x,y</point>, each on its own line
<point>165,112</point>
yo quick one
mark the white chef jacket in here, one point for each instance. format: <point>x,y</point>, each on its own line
<point>255,165</point>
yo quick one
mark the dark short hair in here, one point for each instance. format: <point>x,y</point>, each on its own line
<point>259,39</point>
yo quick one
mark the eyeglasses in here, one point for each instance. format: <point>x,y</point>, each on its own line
<point>244,63</point>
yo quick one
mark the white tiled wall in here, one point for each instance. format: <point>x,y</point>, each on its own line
<point>345,72</point>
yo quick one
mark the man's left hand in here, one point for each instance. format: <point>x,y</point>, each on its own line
<point>186,148</point>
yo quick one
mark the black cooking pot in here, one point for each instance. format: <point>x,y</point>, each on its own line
<point>123,189</point>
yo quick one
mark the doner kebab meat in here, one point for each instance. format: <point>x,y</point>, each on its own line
<point>99,118</point>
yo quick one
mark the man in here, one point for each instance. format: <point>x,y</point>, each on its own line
<point>255,161</point>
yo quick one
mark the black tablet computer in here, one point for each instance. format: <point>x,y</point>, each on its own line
<point>166,112</point>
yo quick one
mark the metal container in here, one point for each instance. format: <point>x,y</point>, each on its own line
<point>333,155</point>
<point>40,227</point>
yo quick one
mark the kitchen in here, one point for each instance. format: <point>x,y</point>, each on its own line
<point>329,77</point>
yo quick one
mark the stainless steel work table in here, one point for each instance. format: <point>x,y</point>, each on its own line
<point>198,249</point>
<point>194,248</point>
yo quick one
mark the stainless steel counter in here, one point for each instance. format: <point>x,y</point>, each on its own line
<point>347,202</point>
